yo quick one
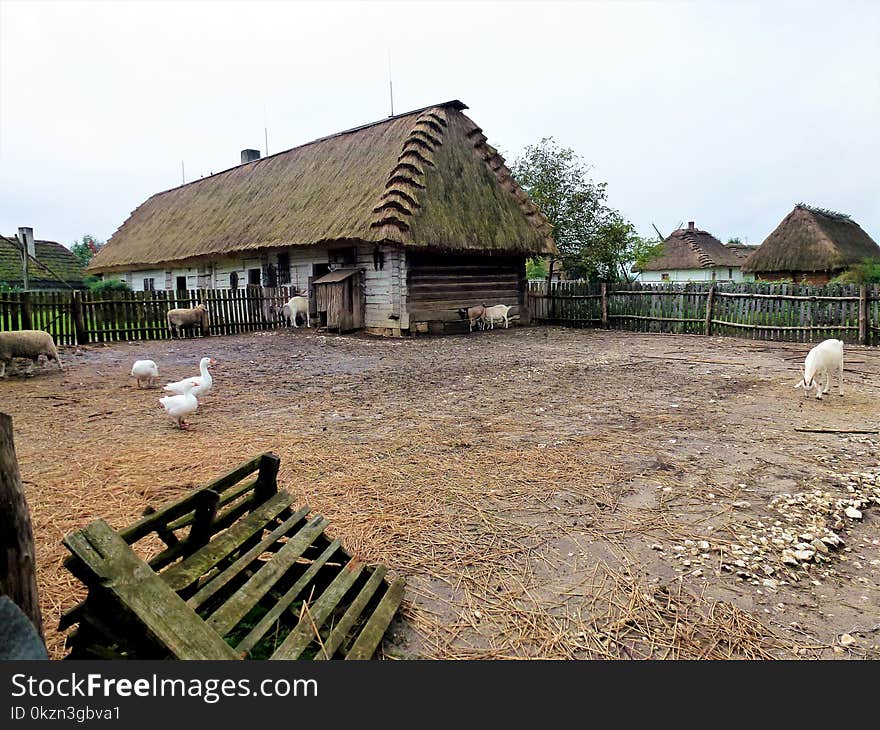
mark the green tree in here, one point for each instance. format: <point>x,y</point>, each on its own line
<point>104,285</point>
<point>558,182</point>
<point>86,248</point>
<point>536,268</point>
<point>866,272</point>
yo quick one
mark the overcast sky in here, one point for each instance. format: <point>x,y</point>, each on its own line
<point>722,113</point>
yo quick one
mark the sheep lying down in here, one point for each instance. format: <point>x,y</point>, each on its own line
<point>30,344</point>
<point>821,360</point>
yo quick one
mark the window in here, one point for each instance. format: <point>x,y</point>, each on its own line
<point>284,268</point>
<point>254,277</point>
<point>149,284</point>
<point>272,276</point>
<point>664,277</point>
<point>181,283</point>
<point>233,280</point>
<point>714,274</point>
<point>730,274</point>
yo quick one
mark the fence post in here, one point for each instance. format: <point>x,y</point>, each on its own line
<point>27,311</point>
<point>710,300</point>
<point>79,320</point>
<point>863,314</point>
<point>604,305</point>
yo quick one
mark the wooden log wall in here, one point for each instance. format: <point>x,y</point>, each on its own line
<point>759,311</point>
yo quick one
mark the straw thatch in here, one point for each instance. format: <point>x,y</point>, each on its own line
<point>64,268</point>
<point>812,240</point>
<point>422,179</point>
<point>692,248</point>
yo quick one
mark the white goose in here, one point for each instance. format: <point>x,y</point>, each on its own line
<point>145,369</point>
<point>198,385</point>
<point>179,407</point>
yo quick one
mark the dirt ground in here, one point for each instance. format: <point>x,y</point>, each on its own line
<point>546,492</point>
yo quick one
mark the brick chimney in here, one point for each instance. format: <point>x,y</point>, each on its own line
<point>249,156</point>
<point>690,225</point>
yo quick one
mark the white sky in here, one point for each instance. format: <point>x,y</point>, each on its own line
<point>722,113</point>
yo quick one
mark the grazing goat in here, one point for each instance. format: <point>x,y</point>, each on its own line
<point>179,319</point>
<point>295,306</point>
<point>821,360</point>
<point>474,315</point>
<point>498,313</point>
<point>31,344</point>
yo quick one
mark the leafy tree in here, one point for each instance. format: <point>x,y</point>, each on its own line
<point>736,240</point>
<point>558,182</point>
<point>6,287</point>
<point>536,268</point>
<point>86,248</point>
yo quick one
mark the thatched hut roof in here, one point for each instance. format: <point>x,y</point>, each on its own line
<point>813,239</point>
<point>426,179</point>
<point>64,268</point>
<point>692,248</point>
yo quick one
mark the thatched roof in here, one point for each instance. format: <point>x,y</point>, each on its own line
<point>424,179</point>
<point>692,248</point>
<point>812,239</point>
<point>62,262</point>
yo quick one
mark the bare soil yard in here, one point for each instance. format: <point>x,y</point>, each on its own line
<point>547,492</point>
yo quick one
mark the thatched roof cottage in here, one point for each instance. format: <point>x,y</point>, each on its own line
<point>691,254</point>
<point>811,245</point>
<point>51,266</point>
<point>419,203</point>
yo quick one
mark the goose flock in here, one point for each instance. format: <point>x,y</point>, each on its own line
<point>184,400</point>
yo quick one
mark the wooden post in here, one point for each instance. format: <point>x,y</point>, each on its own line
<point>863,314</point>
<point>267,478</point>
<point>710,300</point>
<point>27,311</point>
<point>18,576</point>
<point>604,305</point>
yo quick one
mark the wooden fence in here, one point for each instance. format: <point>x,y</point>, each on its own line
<point>80,317</point>
<point>760,311</point>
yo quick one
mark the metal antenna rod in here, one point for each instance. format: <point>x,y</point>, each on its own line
<point>182,173</point>
<point>265,130</point>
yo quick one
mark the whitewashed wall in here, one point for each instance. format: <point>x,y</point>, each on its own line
<point>384,288</point>
<point>722,273</point>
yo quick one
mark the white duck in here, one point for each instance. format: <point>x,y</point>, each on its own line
<point>198,385</point>
<point>179,407</point>
<point>145,369</point>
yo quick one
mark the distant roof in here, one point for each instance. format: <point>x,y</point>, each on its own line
<point>693,248</point>
<point>61,260</point>
<point>813,239</point>
<point>426,179</point>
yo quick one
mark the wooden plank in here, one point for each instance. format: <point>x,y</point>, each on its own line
<point>314,616</point>
<point>237,607</point>
<point>174,624</point>
<point>161,517</point>
<point>188,571</point>
<point>256,634</point>
<point>228,497</point>
<point>352,614</point>
<point>245,559</point>
<point>372,633</point>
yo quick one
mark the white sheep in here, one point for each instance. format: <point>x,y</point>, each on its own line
<point>31,344</point>
<point>498,313</point>
<point>295,306</point>
<point>474,315</point>
<point>821,360</point>
<point>179,319</point>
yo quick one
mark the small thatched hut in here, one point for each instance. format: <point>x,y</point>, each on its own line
<point>419,202</point>
<point>811,245</point>
<point>691,254</point>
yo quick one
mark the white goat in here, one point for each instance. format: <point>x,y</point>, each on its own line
<point>498,313</point>
<point>180,319</point>
<point>821,360</point>
<point>295,306</point>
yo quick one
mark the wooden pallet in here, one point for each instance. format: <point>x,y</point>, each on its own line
<point>230,571</point>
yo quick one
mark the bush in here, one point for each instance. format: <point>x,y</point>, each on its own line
<point>866,272</point>
<point>98,286</point>
<point>5,287</point>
